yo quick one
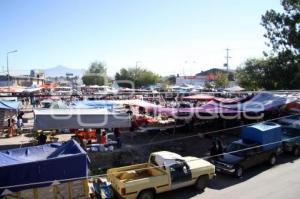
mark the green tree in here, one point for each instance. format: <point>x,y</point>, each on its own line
<point>140,77</point>
<point>251,74</point>
<point>221,80</point>
<point>283,30</point>
<point>283,33</point>
<point>96,74</point>
<point>171,79</point>
<point>280,69</point>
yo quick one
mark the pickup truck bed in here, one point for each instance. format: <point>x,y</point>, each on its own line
<point>127,180</point>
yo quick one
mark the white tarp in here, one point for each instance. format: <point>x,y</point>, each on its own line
<point>234,89</point>
<point>166,158</point>
<point>79,118</point>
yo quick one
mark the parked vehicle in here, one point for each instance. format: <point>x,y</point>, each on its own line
<point>258,144</point>
<point>291,134</point>
<point>291,140</point>
<point>165,171</point>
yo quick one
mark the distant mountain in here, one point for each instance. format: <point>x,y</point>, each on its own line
<point>59,71</point>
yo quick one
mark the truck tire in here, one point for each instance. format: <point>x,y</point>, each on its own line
<point>296,151</point>
<point>272,160</point>
<point>239,171</point>
<point>146,194</point>
<point>201,183</point>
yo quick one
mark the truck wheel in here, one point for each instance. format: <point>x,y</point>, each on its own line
<point>272,160</point>
<point>201,183</point>
<point>146,194</point>
<point>296,151</point>
<point>239,171</point>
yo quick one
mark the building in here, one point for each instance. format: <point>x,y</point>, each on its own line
<point>22,80</point>
<point>200,79</point>
<point>192,80</point>
<point>211,74</point>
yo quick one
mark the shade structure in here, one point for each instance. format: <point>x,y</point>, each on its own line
<point>79,118</point>
<point>10,105</point>
<point>234,89</point>
<point>39,166</point>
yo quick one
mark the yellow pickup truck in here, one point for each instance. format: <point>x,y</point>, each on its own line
<point>165,171</point>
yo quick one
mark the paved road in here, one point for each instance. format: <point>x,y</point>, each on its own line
<point>279,182</point>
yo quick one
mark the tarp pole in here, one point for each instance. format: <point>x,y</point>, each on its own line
<point>18,195</point>
<point>35,193</point>
<point>85,187</point>
<point>55,191</point>
<point>70,190</point>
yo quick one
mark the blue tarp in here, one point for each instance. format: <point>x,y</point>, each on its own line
<point>42,165</point>
<point>94,104</point>
<point>268,134</point>
<point>9,105</point>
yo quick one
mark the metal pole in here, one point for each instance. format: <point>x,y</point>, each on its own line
<point>7,66</point>
<point>227,58</point>
<point>7,69</point>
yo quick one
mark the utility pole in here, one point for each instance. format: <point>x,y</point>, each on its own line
<point>7,66</point>
<point>227,59</point>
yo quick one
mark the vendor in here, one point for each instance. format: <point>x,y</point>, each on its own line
<point>103,139</point>
<point>118,137</point>
<point>98,135</point>
<point>11,123</point>
<point>42,138</point>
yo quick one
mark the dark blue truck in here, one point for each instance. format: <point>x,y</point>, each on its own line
<point>259,143</point>
<point>291,134</point>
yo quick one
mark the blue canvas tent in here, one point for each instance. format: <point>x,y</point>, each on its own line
<point>39,166</point>
<point>10,105</point>
<point>108,104</point>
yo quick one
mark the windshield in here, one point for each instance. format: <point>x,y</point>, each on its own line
<point>238,149</point>
<point>291,133</point>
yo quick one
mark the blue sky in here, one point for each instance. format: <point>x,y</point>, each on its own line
<point>166,36</point>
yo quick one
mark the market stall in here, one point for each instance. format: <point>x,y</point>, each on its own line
<point>23,170</point>
<point>79,118</point>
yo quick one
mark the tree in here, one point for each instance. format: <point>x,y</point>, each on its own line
<point>171,79</point>
<point>138,76</point>
<point>251,75</point>
<point>280,69</point>
<point>208,85</point>
<point>96,74</point>
<point>272,73</point>
<point>221,80</point>
<point>283,29</point>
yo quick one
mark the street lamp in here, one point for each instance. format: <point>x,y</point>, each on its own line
<point>7,66</point>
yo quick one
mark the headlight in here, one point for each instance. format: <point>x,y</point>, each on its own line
<point>229,166</point>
